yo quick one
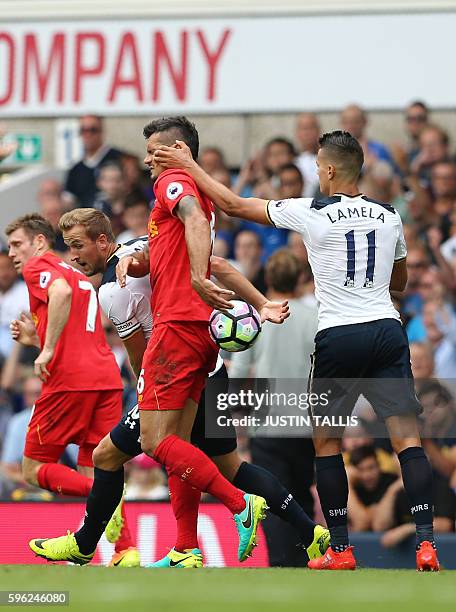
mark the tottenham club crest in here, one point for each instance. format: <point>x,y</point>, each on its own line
<point>280,204</point>
<point>174,190</point>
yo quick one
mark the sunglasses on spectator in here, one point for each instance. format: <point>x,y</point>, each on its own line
<point>416,118</point>
<point>93,129</point>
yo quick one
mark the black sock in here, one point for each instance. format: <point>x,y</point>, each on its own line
<point>417,478</point>
<point>332,487</point>
<point>103,499</point>
<point>255,479</point>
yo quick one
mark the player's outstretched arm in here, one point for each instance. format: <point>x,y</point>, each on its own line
<point>59,306</point>
<point>275,312</point>
<point>136,265</point>
<point>253,209</point>
<point>198,239</point>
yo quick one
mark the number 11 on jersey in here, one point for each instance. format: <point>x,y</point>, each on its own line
<point>351,259</point>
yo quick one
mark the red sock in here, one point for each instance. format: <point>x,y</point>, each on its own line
<point>63,480</point>
<point>185,501</point>
<point>192,466</point>
<point>125,541</point>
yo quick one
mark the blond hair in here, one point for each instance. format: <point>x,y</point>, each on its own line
<point>93,221</point>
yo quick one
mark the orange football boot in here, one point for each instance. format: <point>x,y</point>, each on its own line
<point>426,558</point>
<point>332,560</point>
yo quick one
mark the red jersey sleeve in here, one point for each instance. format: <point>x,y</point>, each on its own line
<point>173,186</point>
<point>39,274</point>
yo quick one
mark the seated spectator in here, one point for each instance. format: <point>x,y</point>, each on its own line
<point>433,148</point>
<point>135,217</point>
<point>14,443</point>
<point>248,252</point>
<point>381,184</point>
<point>211,159</point>
<point>422,362</point>
<point>14,299</point>
<point>417,263</point>
<point>52,208</point>
<point>443,190</point>
<point>368,485</point>
<point>416,119</point>
<point>440,323</point>
<point>307,133</point>
<point>353,119</point>
<point>80,181</point>
<point>146,480</point>
<point>112,194</point>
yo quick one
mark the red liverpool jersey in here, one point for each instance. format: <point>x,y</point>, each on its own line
<point>173,298</point>
<point>82,360</point>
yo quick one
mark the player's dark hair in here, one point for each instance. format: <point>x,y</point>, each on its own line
<point>33,225</point>
<point>282,141</point>
<point>362,452</point>
<point>345,150</point>
<point>283,270</point>
<point>180,128</point>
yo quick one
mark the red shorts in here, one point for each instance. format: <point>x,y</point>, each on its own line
<point>178,358</point>
<point>78,417</point>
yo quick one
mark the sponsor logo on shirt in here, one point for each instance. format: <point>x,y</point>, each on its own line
<point>280,204</point>
<point>174,190</point>
<point>45,277</point>
<point>152,229</point>
<point>35,319</point>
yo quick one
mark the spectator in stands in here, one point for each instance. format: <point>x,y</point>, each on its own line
<point>307,133</point>
<point>417,263</point>
<point>112,194</point>
<point>353,119</point>
<point>13,300</point>
<point>440,322</point>
<point>416,119</point>
<point>368,485</point>
<point>146,480</point>
<point>14,443</point>
<point>248,258</point>
<point>135,217</point>
<point>81,181</point>
<point>433,148</point>
<point>278,354</point>
<point>443,190</point>
<point>422,361</point>
<point>52,208</point>
<point>382,184</point>
<point>211,159</point>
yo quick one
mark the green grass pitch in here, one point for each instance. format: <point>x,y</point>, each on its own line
<point>236,590</point>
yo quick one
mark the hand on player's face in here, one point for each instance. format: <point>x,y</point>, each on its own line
<point>178,156</point>
<point>213,295</point>
<point>275,312</point>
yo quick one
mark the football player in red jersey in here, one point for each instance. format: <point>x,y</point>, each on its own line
<point>180,353</point>
<point>81,399</point>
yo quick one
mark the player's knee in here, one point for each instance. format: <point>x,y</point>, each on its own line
<point>106,456</point>
<point>30,472</point>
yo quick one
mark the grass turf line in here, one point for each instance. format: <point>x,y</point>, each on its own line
<point>228,590</point>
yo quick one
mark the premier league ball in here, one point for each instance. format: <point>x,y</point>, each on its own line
<point>236,329</point>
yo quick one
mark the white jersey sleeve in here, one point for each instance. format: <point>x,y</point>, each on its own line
<point>290,214</point>
<point>127,310</point>
<point>401,247</point>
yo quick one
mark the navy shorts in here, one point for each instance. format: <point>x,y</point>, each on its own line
<point>126,434</point>
<point>372,359</point>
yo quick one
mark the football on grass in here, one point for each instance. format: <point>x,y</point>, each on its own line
<point>236,329</point>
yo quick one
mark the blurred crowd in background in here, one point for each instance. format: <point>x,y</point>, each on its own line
<point>417,177</point>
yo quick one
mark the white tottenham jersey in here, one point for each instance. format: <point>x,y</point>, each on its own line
<point>128,308</point>
<point>352,243</point>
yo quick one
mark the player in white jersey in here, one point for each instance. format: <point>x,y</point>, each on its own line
<point>357,254</point>
<point>88,234</point>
